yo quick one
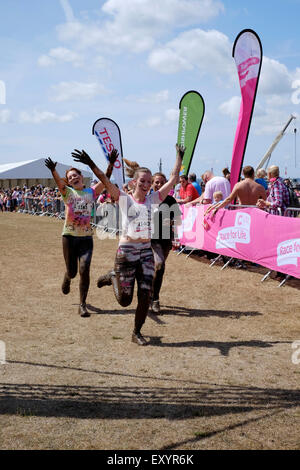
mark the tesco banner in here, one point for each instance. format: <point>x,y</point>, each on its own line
<point>109,137</point>
<point>250,234</point>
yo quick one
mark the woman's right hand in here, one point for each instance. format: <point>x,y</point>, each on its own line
<point>50,164</point>
<point>82,157</point>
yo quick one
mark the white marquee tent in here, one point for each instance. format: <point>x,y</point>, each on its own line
<point>32,172</point>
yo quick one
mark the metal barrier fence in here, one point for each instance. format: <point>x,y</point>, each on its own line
<point>107,217</point>
<point>52,207</point>
<point>243,206</point>
<point>292,212</point>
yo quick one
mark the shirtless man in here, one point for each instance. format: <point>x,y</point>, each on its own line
<point>247,192</point>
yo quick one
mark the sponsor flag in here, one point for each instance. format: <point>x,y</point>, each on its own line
<point>247,53</point>
<point>109,137</point>
<point>191,115</point>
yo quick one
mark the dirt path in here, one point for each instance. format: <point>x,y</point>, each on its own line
<point>218,373</point>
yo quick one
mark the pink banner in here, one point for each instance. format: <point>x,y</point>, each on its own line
<point>250,234</point>
<point>247,53</point>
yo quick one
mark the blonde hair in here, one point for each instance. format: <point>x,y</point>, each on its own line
<point>141,169</point>
<point>273,170</point>
<point>261,173</point>
<point>130,168</point>
<point>218,193</point>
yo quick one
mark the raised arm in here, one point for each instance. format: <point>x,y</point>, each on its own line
<point>83,157</point>
<point>58,180</point>
<point>112,157</point>
<point>165,189</point>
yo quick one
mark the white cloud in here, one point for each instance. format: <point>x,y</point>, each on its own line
<point>295,98</point>
<point>231,107</point>
<point>4,116</point>
<point>60,54</point>
<point>137,24</point>
<point>81,35</point>
<point>155,14</point>
<point>269,116</point>
<point>151,122</point>
<point>278,100</point>
<point>172,114</point>
<point>37,117</point>
<point>275,79</point>
<point>156,97</point>
<point>271,122</point>
<point>68,10</point>
<point>111,36</point>
<point>100,62</point>
<point>167,60</point>
<point>66,91</point>
<point>45,61</point>
<point>2,92</point>
<point>207,51</point>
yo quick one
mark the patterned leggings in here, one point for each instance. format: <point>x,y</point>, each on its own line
<point>134,261</point>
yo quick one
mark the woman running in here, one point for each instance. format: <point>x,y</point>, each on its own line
<point>77,233</point>
<point>134,257</point>
<point>166,216</point>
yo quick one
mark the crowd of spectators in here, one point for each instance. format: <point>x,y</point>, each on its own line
<point>40,200</point>
<point>273,197</point>
<point>37,200</point>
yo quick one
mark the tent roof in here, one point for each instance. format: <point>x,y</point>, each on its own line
<point>34,169</point>
<point>8,166</point>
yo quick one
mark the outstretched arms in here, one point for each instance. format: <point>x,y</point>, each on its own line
<point>112,157</point>
<point>165,189</point>
<point>83,157</point>
<point>58,180</point>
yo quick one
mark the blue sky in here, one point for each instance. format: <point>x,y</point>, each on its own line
<point>66,63</point>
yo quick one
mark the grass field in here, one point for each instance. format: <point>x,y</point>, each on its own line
<point>217,374</point>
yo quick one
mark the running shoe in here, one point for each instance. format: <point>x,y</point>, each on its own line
<point>155,307</point>
<point>83,311</point>
<point>65,287</point>
<point>139,339</point>
<point>105,280</point>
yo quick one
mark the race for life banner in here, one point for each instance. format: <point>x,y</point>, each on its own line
<point>247,53</point>
<point>109,137</point>
<point>250,234</point>
<point>191,115</point>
